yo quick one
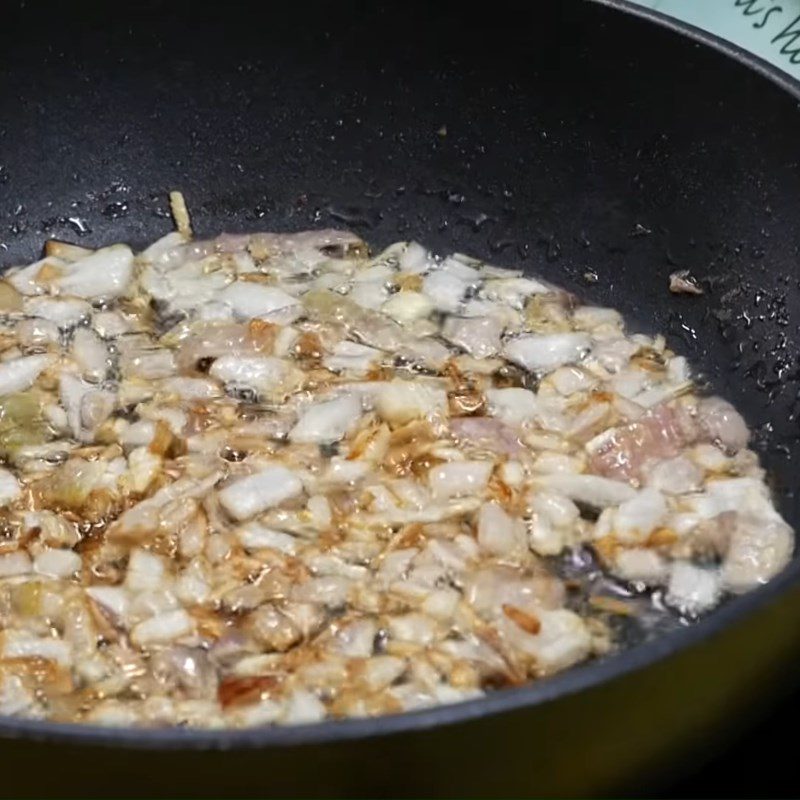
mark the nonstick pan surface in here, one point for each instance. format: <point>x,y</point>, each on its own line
<point>583,144</point>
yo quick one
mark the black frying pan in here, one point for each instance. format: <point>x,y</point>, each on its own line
<point>585,144</point>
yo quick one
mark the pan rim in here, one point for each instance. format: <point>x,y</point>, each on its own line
<point>572,681</point>
<point>733,51</point>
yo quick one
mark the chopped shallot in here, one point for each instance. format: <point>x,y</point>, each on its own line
<point>270,479</point>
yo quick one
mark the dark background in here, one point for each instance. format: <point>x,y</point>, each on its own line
<point>760,763</point>
<point>595,150</point>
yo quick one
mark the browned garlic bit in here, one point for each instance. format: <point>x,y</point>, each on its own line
<point>683,282</point>
<point>273,479</point>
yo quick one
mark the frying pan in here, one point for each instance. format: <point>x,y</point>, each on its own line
<point>590,146</point>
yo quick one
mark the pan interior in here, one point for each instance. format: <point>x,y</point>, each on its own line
<point>553,138</point>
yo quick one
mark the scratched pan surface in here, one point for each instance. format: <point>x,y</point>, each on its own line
<point>578,142</point>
